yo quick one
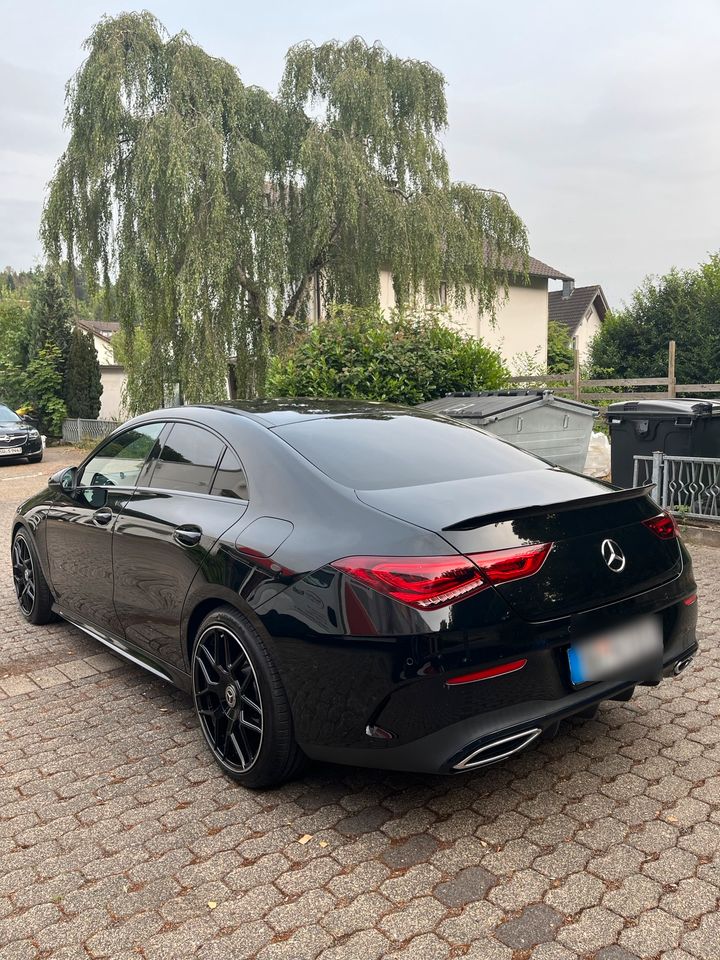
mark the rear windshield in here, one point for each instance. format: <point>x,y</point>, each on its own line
<point>395,450</point>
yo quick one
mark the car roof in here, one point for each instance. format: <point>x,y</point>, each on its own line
<point>276,412</point>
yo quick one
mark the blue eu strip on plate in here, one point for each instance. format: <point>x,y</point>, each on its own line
<point>577,674</point>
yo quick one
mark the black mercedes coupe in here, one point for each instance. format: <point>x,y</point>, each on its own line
<point>357,582</point>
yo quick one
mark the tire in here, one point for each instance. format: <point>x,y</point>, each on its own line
<point>28,576</point>
<point>241,703</point>
<point>36,458</point>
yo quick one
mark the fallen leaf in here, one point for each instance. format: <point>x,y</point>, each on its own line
<point>306,838</point>
<point>212,904</point>
<point>323,843</point>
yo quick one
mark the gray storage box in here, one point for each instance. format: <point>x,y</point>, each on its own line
<point>555,428</point>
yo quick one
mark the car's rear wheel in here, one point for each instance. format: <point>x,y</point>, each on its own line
<point>31,588</point>
<point>241,703</point>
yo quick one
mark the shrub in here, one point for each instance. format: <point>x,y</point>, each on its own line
<point>405,358</point>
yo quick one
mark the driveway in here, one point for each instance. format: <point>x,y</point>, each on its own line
<point>119,838</point>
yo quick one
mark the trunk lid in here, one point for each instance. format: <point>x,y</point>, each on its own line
<point>576,514</point>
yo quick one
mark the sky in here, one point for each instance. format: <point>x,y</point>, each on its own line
<point>600,121</point>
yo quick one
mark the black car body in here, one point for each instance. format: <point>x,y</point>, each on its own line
<point>407,592</point>
<point>19,439</point>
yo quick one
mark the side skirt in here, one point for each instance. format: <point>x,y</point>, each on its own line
<point>128,651</point>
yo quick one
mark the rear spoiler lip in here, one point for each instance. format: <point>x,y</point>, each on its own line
<point>613,496</point>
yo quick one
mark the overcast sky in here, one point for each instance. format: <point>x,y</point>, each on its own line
<point>600,121</point>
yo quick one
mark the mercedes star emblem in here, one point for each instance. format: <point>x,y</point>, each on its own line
<point>613,556</point>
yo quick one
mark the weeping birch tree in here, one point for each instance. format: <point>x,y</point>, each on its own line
<point>208,208</point>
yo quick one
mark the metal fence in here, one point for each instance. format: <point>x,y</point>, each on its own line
<point>687,486</point>
<point>76,430</point>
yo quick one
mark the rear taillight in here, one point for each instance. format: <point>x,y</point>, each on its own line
<point>663,526</point>
<point>432,582</point>
<point>502,566</point>
<point>424,582</point>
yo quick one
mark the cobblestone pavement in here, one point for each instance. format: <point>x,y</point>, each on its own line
<point>119,838</point>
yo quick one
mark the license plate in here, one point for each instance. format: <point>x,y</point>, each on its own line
<point>631,652</point>
<point>10,451</point>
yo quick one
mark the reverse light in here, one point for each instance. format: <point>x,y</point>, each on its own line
<point>663,526</point>
<point>429,583</point>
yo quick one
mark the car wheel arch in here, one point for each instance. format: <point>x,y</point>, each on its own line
<point>200,607</point>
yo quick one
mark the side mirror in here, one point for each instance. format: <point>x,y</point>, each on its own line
<point>63,480</point>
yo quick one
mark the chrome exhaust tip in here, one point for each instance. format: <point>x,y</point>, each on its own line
<point>498,750</point>
<point>682,665</point>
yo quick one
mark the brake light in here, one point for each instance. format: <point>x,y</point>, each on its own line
<point>663,526</point>
<point>423,582</point>
<point>502,566</point>
<point>429,583</point>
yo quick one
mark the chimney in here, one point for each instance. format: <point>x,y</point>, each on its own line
<point>567,290</point>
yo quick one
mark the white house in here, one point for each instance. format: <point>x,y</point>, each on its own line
<point>112,374</point>
<point>581,310</point>
<point>520,325</point>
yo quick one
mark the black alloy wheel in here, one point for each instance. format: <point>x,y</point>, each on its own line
<point>241,703</point>
<point>33,593</point>
<point>23,575</point>
<point>227,698</point>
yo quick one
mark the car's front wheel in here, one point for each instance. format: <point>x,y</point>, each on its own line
<point>31,588</point>
<point>241,703</point>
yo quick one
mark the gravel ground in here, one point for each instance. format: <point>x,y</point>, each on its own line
<point>120,839</point>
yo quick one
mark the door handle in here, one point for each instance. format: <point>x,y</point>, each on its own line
<point>187,535</point>
<point>103,516</point>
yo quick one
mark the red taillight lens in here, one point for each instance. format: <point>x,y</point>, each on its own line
<point>502,566</point>
<point>663,526</point>
<point>424,582</point>
<point>432,582</point>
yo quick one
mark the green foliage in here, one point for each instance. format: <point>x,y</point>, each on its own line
<point>83,385</point>
<point>683,306</point>
<point>13,333</point>
<point>208,207</point>
<point>49,319</point>
<point>39,387</point>
<point>560,357</point>
<point>410,357</point>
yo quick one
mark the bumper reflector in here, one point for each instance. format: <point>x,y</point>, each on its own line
<point>487,674</point>
<point>689,601</point>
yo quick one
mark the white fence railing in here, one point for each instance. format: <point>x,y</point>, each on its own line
<point>75,430</point>
<point>687,486</point>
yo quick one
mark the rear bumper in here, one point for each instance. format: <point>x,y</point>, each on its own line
<point>490,737</point>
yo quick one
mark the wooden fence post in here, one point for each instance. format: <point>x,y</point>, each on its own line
<point>576,372</point>
<point>671,369</point>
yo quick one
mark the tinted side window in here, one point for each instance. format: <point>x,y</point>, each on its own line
<point>188,459</point>
<point>230,480</point>
<point>118,463</point>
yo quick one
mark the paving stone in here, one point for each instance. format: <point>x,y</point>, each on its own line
<point>421,915</point>
<point>469,885</point>
<point>536,924</point>
<point>410,852</point>
<point>655,931</point>
<point>691,899</point>
<point>703,942</point>
<point>593,929</point>
<point>578,891</point>
<point>636,895</point>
